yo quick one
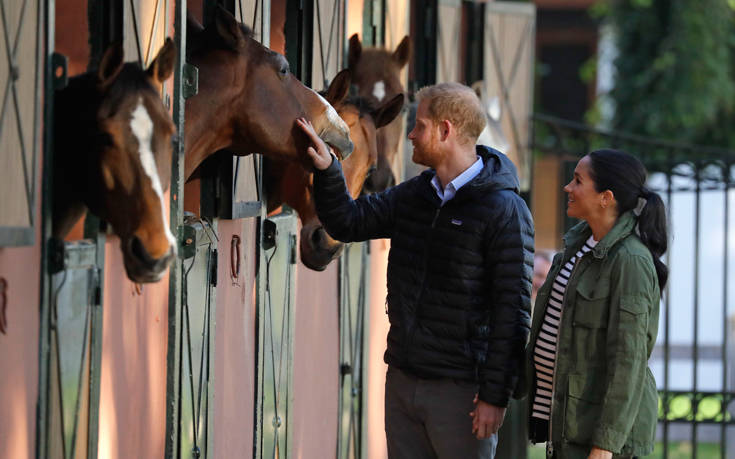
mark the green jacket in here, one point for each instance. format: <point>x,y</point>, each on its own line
<point>604,392</point>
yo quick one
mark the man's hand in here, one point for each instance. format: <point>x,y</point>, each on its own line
<point>319,151</point>
<point>598,453</point>
<point>486,419</point>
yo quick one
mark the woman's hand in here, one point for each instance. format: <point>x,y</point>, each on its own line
<point>597,453</point>
<point>321,155</point>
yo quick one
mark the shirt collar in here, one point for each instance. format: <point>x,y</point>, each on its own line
<point>461,180</point>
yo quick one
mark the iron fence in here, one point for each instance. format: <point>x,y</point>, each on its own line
<point>693,359</point>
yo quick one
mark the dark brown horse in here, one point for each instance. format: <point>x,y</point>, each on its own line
<point>248,100</point>
<point>376,74</point>
<point>289,183</point>
<point>112,155</point>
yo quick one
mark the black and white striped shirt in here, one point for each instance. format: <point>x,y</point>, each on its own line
<point>544,352</point>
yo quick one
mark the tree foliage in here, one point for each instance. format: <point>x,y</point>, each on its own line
<point>675,69</point>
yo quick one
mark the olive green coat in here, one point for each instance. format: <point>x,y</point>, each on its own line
<point>604,393</point>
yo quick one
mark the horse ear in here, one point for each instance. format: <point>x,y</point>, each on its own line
<point>111,63</point>
<point>228,29</point>
<point>402,52</point>
<point>354,52</point>
<point>388,111</point>
<point>163,65</point>
<point>339,87</point>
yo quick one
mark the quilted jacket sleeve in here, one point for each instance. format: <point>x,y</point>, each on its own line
<point>348,220</point>
<point>509,255</point>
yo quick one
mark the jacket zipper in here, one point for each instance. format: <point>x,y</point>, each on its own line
<point>550,443</point>
<point>423,279</point>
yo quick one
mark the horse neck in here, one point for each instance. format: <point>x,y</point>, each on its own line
<point>206,131</point>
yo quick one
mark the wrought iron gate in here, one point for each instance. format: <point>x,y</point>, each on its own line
<point>275,338</point>
<point>353,327</point>
<point>22,25</point>
<point>693,360</point>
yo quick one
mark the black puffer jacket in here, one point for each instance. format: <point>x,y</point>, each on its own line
<point>459,275</point>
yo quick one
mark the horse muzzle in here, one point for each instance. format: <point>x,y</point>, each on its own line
<point>339,141</point>
<point>318,249</point>
<point>140,266</point>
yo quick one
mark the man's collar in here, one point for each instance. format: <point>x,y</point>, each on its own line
<point>459,181</point>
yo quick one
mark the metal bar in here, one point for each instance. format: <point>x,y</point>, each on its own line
<point>695,405</point>
<point>667,321</point>
<point>711,153</point>
<point>37,106</point>
<point>48,9</point>
<point>173,354</point>
<point>340,397</point>
<point>725,322</point>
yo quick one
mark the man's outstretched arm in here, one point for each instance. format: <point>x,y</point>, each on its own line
<point>345,219</point>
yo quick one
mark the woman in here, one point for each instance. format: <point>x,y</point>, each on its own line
<point>592,394</point>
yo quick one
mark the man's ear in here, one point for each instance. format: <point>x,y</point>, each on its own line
<point>445,128</point>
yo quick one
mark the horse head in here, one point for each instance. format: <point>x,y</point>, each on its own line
<point>291,184</point>
<point>377,75</point>
<point>248,100</point>
<point>112,144</point>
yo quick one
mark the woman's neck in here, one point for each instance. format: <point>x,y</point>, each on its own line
<point>602,224</point>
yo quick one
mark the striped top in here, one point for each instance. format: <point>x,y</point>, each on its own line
<point>544,352</point>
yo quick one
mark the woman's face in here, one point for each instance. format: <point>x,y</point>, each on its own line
<point>584,201</point>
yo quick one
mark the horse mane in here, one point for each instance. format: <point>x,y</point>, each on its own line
<point>198,37</point>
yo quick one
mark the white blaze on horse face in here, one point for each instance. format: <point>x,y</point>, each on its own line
<point>379,90</point>
<point>142,128</point>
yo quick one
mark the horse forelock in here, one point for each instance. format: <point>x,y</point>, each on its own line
<point>130,83</point>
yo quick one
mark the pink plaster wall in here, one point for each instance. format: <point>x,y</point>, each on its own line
<point>235,327</point>
<point>378,332</point>
<point>134,345</point>
<point>19,351</point>
<point>316,367</point>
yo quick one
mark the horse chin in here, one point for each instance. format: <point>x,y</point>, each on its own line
<point>317,248</point>
<point>144,271</point>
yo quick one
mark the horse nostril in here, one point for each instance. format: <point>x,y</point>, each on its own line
<point>316,237</point>
<point>138,250</point>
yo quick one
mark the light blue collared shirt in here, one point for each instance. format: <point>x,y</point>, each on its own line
<point>461,180</point>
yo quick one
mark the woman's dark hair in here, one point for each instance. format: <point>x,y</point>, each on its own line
<point>625,176</point>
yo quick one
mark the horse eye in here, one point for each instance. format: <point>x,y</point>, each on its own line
<point>372,169</point>
<point>284,71</point>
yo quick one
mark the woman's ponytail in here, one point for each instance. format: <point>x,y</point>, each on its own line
<point>625,176</point>
<point>653,232</point>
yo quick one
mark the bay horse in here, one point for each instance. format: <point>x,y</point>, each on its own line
<point>376,73</point>
<point>248,100</point>
<point>112,155</point>
<point>291,184</point>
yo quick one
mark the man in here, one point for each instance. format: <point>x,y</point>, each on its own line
<point>459,278</point>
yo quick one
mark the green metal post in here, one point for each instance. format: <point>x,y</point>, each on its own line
<point>173,357</point>
<point>49,12</point>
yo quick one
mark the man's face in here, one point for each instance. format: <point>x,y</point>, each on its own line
<point>424,137</point>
